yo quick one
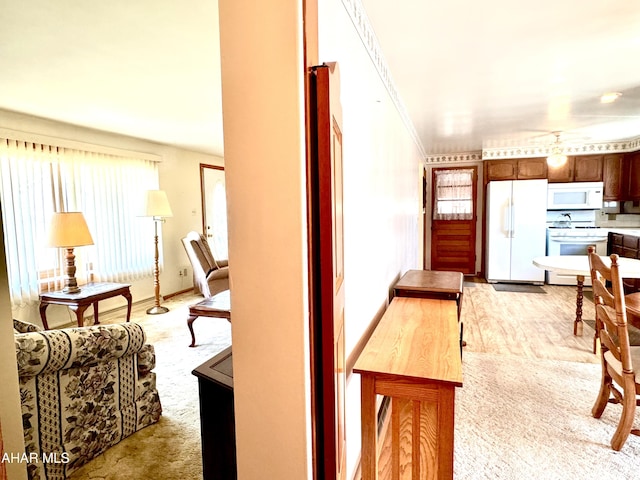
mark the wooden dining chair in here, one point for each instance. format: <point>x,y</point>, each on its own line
<point>618,383</point>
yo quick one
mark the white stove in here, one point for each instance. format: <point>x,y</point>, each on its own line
<point>571,233</point>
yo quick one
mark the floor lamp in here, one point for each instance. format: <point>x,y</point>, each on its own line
<point>156,206</point>
<point>69,230</point>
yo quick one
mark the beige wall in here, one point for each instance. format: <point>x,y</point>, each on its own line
<point>179,174</point>
<point>263,105</point>
<point>10,413</point>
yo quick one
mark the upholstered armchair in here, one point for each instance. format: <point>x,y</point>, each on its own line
<point>82,390</point>
<point>210,276</point>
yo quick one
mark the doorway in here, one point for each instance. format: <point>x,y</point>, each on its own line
<point>453,219</point>
<point>214,209</point>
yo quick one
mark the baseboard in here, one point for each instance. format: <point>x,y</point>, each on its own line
<point>175,294</point>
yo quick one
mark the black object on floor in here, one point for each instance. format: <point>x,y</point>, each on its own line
<point>516,287</point>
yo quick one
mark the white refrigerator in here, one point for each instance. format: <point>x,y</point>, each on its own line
<point>516,230</point>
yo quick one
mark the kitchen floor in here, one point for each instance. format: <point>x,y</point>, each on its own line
<point>532,325</point>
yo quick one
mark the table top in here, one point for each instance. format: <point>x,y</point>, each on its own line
<point>579,265</point>
<point>86,291</point>
<point>431,281</point>
<point>220,302</point>
<point>417,338</point>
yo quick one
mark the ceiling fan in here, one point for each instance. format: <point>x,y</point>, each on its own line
<point>556,158</point>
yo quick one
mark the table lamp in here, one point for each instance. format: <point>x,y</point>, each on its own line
<point>69,230</point>
<point>156,206</point>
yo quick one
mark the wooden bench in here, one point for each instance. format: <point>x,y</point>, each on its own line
<point>218,306</point>
<point>412,357</point>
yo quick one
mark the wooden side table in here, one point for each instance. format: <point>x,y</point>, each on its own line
<point>90,294</point>
<point>431,284</point>
<point>218,306</point>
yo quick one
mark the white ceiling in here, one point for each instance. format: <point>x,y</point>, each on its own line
<point>470,74</point>
<point>474,74</point>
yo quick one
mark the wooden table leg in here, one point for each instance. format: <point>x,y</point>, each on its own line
<point>578,324</point>
<point>127,296</point>
<point>96,320</point>
<point>190,321</point>
<point>79,311</point>
<point>43,315</point>
<point>369,427</point>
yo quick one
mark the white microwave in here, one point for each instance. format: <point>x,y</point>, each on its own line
<point>575,196</point>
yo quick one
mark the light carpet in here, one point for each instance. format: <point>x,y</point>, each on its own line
<point>516,418</point>
<point>171,448</point>
<point>519,418</point>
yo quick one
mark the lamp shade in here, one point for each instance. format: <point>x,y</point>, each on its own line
<point>68,230</point>
<point>156,204</point>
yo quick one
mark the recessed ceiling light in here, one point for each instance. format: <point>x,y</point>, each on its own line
<point>610,97</point>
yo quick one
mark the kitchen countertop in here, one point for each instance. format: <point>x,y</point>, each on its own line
<point>624,231</point>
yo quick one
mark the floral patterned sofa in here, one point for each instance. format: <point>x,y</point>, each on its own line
<point>82,390</point>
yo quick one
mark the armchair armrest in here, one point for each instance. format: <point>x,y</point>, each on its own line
<point>24,327</point>
<point>218,273</point>
<point>222,263</point>
<point>51,350</point>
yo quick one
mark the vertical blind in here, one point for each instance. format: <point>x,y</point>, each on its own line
<point>37,180</point>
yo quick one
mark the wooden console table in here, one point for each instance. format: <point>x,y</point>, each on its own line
<point>90,294</point>
<point>413,357</point>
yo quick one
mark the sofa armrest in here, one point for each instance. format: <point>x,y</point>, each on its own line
<point>23,327</point>
<point>51,350</point>
<point>146,360</point>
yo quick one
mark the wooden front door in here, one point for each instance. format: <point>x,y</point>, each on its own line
<point>326,250</point>
<point>453,219</point>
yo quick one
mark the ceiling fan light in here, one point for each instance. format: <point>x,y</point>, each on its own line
<point>556,160</point>
<point>610,97</point>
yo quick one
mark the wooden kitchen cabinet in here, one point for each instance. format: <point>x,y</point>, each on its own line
<point>612,177</point>
<point>588,168</point>
<point>500,170</point>
<point>583,168</point>
<point>562,174</point>
<point>532,168</point>
<point>515,169</point>
<point>632,172</point>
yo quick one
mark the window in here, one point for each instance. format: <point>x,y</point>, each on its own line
<point>453,198</point>
<point>37,180</point>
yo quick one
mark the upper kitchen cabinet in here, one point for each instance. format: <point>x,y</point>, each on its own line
<point>612,177</point>
<point>532,168</point>
<point>515,169</point>
<point>632,171</point>
<point>621,177</point>
<point>588,168</point>
<point>585,168</point>
<point>500,170</point>
<point>563,173</point>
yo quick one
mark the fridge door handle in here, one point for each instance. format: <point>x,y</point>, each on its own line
<point>513,223</point>
<point>506,221</point>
